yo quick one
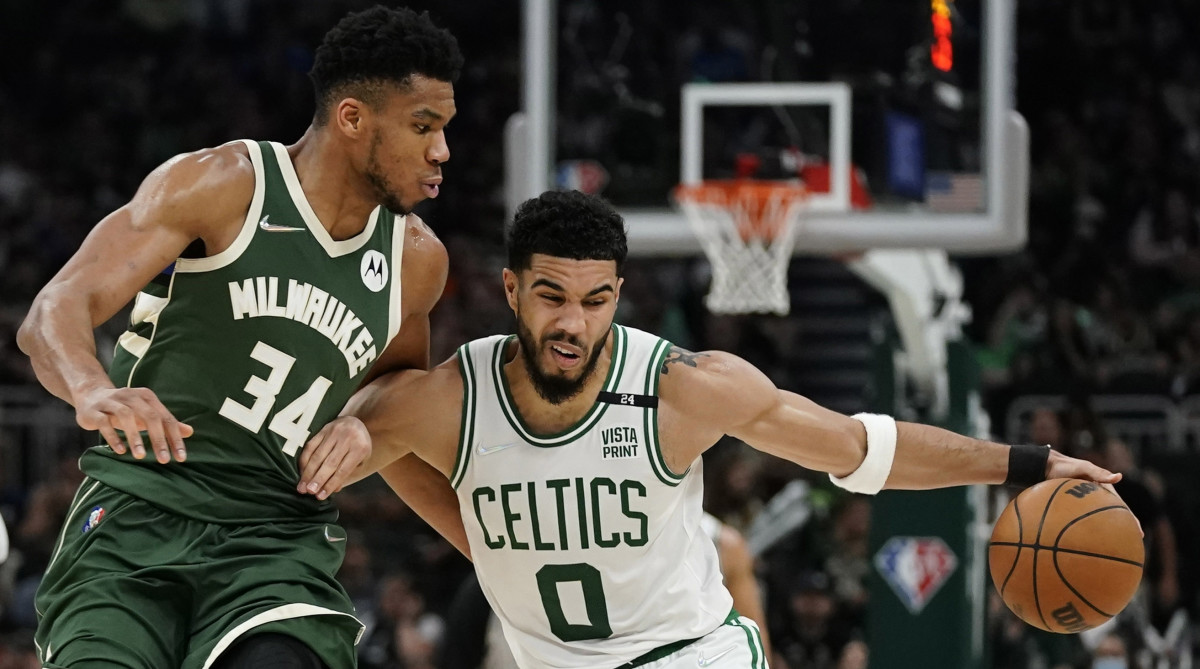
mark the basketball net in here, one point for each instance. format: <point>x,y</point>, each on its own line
<point>747,229</point>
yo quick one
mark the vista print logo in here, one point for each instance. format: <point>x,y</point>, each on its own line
<point>915,568</point>
<point>374,270</point>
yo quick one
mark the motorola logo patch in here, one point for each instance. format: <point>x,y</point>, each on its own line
<point>374,270</point>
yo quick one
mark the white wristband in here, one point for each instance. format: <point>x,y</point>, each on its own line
<point>881,451</point>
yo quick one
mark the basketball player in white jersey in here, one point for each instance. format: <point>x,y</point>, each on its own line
<point>574,447</point>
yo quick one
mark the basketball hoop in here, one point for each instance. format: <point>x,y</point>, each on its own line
<point>747,229</point>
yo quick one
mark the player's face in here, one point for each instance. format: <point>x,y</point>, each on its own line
<point>564,314</point>
<point>408,142</point>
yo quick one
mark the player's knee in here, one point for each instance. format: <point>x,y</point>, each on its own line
<point>269,651</point>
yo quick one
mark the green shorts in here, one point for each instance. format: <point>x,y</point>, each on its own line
<point>131,585</point>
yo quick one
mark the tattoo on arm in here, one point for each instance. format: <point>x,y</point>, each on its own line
<point>683,356</point>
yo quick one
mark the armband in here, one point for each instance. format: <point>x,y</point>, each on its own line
<point>881,451</point>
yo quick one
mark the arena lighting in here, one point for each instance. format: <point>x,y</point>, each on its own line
<point>941,52</point>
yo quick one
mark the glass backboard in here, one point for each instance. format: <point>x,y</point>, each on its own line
<point>896,113</point>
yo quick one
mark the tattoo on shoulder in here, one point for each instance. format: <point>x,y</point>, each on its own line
<point>682,356</point>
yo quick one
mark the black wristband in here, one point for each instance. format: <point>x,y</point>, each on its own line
<point>1026,464</point>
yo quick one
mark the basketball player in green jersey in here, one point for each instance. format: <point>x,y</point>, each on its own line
<point>292,276</point>
<point>574,447</point>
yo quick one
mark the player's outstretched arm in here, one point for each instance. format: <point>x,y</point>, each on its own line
<point>723,394</point>
<point>202,195</point>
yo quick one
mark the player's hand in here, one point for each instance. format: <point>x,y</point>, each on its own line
<point>133,410</point>
<point>330,457</point>
<point>1060,466</point>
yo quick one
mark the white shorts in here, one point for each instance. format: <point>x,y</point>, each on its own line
<point>735,645</point>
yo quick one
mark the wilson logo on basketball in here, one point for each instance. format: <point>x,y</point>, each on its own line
<point>916,568</point>
<point>1082,490</point>
<point>1070,618</point>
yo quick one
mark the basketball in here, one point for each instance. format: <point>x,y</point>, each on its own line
<point>1066,555</point>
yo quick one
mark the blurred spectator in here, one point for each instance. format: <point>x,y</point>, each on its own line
<point>356,574</point>
<point>17,651</point>
<point>1164,243</point>
<point>1107,341</point>
<point>1046,427</point>
<point>1018,340</point>
<point>1016,645</point>
<point>848,558</point>
<point>1111,654</point>
<point>1160,584</point>
<point>401,633</point>
<point>732,483</point>
<point>814,636</point>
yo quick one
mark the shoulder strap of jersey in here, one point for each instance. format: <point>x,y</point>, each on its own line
<point>249,224</point>
<point>475,360</point>
<point>651,375</point>
<point>397,227</point>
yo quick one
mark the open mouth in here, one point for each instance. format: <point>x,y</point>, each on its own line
<point>431,186</point>
<point>564,356</point>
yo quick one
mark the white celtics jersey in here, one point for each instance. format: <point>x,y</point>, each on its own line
<point>588,548</point>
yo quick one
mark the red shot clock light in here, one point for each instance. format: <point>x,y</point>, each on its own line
<point>941,51</point>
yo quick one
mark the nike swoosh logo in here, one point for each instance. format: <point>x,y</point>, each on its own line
<point>271,227</point>
<point>706,661</point>
<point>330,538</point>
<point>487,450</point>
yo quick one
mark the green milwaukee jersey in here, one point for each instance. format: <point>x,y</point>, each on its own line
<point>256,347</point>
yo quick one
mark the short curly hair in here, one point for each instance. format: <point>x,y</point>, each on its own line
<point>376,46</point>
<point>566,224</point>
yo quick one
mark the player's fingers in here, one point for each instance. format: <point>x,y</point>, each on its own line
<point>328,467</point>
<point>153,420</point>
<point>98,420</point>
<point>124,419</point>
<point>1102,475</point>
<point>314,441</point>
<point>314,455</point>
<point>114,441</point>
<point>339,478</point>
<point>172,431</point>
<point>175,434</point>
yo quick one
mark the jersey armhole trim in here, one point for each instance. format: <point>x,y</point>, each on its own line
<point>467,422</point>
<point>395,301</point>
<point>150,342</point>
<point>242,242</point>
<point>654,449</point>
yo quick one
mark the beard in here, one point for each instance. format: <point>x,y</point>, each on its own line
<point>555,388</point>
<point>383,191</point>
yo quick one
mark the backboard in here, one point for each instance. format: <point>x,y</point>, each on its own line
<point>897,113</point>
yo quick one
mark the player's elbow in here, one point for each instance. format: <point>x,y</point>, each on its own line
<point>28,335</point>
<point>851,446</point>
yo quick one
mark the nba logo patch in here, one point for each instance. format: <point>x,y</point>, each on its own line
<point>93,519</point>
<point>915,567</point>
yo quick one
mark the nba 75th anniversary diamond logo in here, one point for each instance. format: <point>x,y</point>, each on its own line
<point>915,567</point>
